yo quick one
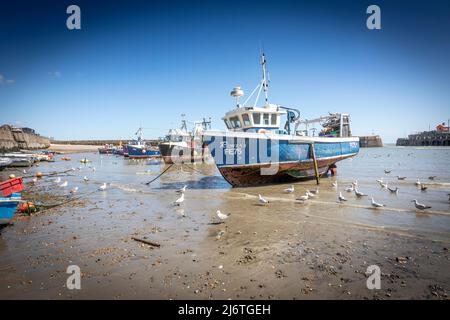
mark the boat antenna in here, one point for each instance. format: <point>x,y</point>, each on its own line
<point>265,84</point>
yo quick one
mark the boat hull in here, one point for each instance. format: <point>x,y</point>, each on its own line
<point>141,152</point>
<point>172,153</point>
<point>7,210</point>
<point>251,159</point>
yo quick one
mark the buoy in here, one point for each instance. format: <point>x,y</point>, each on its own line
<point>39,174</point>
<point>27,207</point>
<point>12,176</point>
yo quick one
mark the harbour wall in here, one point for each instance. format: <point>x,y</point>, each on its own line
<point>370,141</point>
<point>14,139</point>
<point>427,138</point>
<point>97,142</point>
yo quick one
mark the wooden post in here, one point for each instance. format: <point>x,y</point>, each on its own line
<point>313,156</point>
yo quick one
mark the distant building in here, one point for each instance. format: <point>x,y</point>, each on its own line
<point>438,137</point>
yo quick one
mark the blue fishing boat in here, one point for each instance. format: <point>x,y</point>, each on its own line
<point>139,149</point>
<point>257,150</point>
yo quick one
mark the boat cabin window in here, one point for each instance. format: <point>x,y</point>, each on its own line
<point>273,119</point>
<point>246,120</point>
<point>266,119</point>
<point>235,122</point>
<point>257,118</point>
<point>228,123</point>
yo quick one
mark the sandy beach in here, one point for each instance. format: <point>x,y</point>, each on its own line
<point>72,148</point>
<point>285,250</point>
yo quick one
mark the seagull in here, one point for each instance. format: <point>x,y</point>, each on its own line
<point>341,197</point>
<point>316,192</point>
<point>102,187</point>
<point>393,190</point>
<point>418,182</point>
<point>384,185</point>
<point>24,171</point>
<point>376,204</point>
<point>423,187</point>
<point>387,171</point>
<point>309,194</point>
<point>401,178</point>
<point>262,200</point>
<point>58,180</point>
<point>182,190</point>
<point>290,189</point>
<point>179,200</point>
<point>35,180</point>
<point>349,189</point>
<point>420,206</point>
<point>380,181</point>
<point>432,177</point>
<point>221,215</point>
<point>64,184</point>
<point>304,197</point>
<point>93,168</point>
<point>355,183</point>
<point>74,190</point>
<point>86,178</point>
<point>359,194</point>
<point>334,184</point>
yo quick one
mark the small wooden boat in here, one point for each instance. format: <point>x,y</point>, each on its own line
<point>4,162</point>
<point>10,199</point>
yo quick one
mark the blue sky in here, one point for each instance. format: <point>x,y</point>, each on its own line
<point>146,62</point>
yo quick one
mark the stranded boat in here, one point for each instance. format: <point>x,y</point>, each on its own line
<point>256,150</point>
<point>139,149</point>
<point>180,145</point>
<point>9,199</point>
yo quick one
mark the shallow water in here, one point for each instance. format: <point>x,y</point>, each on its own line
<point>208,191</point>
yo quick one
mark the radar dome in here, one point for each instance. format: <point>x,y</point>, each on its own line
<point>237,92</point>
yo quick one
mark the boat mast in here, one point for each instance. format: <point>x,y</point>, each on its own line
<point>264,81</point>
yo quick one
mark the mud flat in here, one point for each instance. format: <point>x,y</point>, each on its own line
<point>286,250</point>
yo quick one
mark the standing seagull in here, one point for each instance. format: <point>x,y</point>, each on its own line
<point>418,182</point>
<point>290,189</point>
<point>316,192</point>
<point>180,200</point>
<point>380,181</point>
<point>359,194</point>
<point>182,190</point>
<point>64,184</point>
<point>221,215</point>
<point>423,187</point>
<point>341,197</point>
<point>420,206</point>
<point>384,185</point>
<point>349,189</point>
<point>262,200</point>
<point>393,190</point>
<point>102,187</point>
<point>376,204</point>
<point>86,179</point>
<point>74,190</point>
<point>310,194</point>
<point>401,178</point>
<point>304,197</point>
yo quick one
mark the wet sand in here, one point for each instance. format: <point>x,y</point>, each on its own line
<point>286,250</point>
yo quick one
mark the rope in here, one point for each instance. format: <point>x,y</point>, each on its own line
<point>159,175</point>
<point>192,168</point>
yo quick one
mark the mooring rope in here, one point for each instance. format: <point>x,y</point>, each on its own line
<point>159,175</point>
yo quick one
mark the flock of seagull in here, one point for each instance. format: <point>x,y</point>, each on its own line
<point>352,188</point>
<point>74,190</point>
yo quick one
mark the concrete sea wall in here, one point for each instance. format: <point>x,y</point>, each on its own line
<point>370,141</point>
<point>13,139</point>
<point>427,138</point>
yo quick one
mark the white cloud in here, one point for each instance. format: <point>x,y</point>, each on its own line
<point>4,81</point>
<point>55,74</point>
